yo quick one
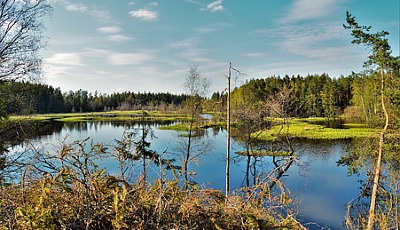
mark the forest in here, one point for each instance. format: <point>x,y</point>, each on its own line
<point>23,98</point>
<point>309,96</point>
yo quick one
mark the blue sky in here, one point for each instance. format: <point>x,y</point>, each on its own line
<point>148,46</point>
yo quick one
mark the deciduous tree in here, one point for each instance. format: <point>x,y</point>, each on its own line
<point>21,37</point>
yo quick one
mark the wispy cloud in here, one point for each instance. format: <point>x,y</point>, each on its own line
<point>213,27</point>
<point>309,9</point>
<point>113,34</point>
<point>66,59</point>
<point>310,40</point>
<point>189,49</point>
<point>254,54</point>
<point>76,7</point>
<point>109,30</point>
<point>195,55</point>
<point>145,15</point>
<point>153,4</point>
<point>93,52</point>
<point>102,15</point>
<point>119,38</point>
<point>215,6</point>
<point>130,58</point>
<point>314,40</point>
<point>184,43</point>
<point>195,2</point>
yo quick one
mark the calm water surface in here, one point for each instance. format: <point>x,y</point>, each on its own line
<point>322,188</point>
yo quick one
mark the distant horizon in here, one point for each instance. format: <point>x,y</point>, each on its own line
<point>148,46</point>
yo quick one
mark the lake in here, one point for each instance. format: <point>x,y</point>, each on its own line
<point>321,188</point>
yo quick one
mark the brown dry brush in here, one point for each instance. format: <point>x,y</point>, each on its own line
<point>81,197</point>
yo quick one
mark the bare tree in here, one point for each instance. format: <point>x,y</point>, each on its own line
<point>196,87</point>
<point>21,37</point>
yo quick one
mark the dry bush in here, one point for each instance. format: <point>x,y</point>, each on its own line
<point>78,195</point>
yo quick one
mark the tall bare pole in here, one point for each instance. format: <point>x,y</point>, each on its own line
<point>228,126</point>
<point>228,131</point>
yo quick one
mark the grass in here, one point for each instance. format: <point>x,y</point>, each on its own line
<point>260,153</point>
<point>176,127</point>
<point>103,116</point>
<point>295,127</point>
<point>185,127</point>
<point>302,128</point>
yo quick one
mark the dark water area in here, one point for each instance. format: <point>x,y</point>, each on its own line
<point>320,188</point>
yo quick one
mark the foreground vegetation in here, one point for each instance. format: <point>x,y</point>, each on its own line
<point>71,192</point>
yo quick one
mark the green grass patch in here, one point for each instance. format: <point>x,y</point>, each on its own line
<point>185,127</point>
<point>103,116</point>
<point>302,128</point>
<point>176,127</point>
<point>261,153</point>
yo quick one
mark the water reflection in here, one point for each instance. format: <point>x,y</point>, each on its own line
<point>95,125</point>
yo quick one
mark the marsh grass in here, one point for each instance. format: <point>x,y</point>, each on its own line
<point>261,153</point>
<point>103,116</point>
<point>304,128</point>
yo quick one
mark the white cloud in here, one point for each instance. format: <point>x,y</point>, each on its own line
<point>68,59</point>
<point>145,15</point>
<point>215,6</point>
<point>55,71</point>
<point>130,58</point>
<point>195,2</point>
<point>189,49</point>
<point>92,52</point>
<point>113,30</point>
<point>184,43</point>
<point>102,15</point>
<point>310,9</point>
<point>99,14</point>
<point>109,30</point>
<point>316,40</point>
<point>195,55</point>
<point>119,38</point>
<point>76,8</point>
<point>153,4</point>
<point>254,54</point>
<point>213,27</point>
<point>205,30</point>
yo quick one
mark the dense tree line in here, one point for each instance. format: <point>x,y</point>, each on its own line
<point>313,95</point>
<point>21,98</point>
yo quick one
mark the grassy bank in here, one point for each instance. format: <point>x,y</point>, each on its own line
<point>305,128</point>
<point>135,115</point>
<point>260,153</point>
